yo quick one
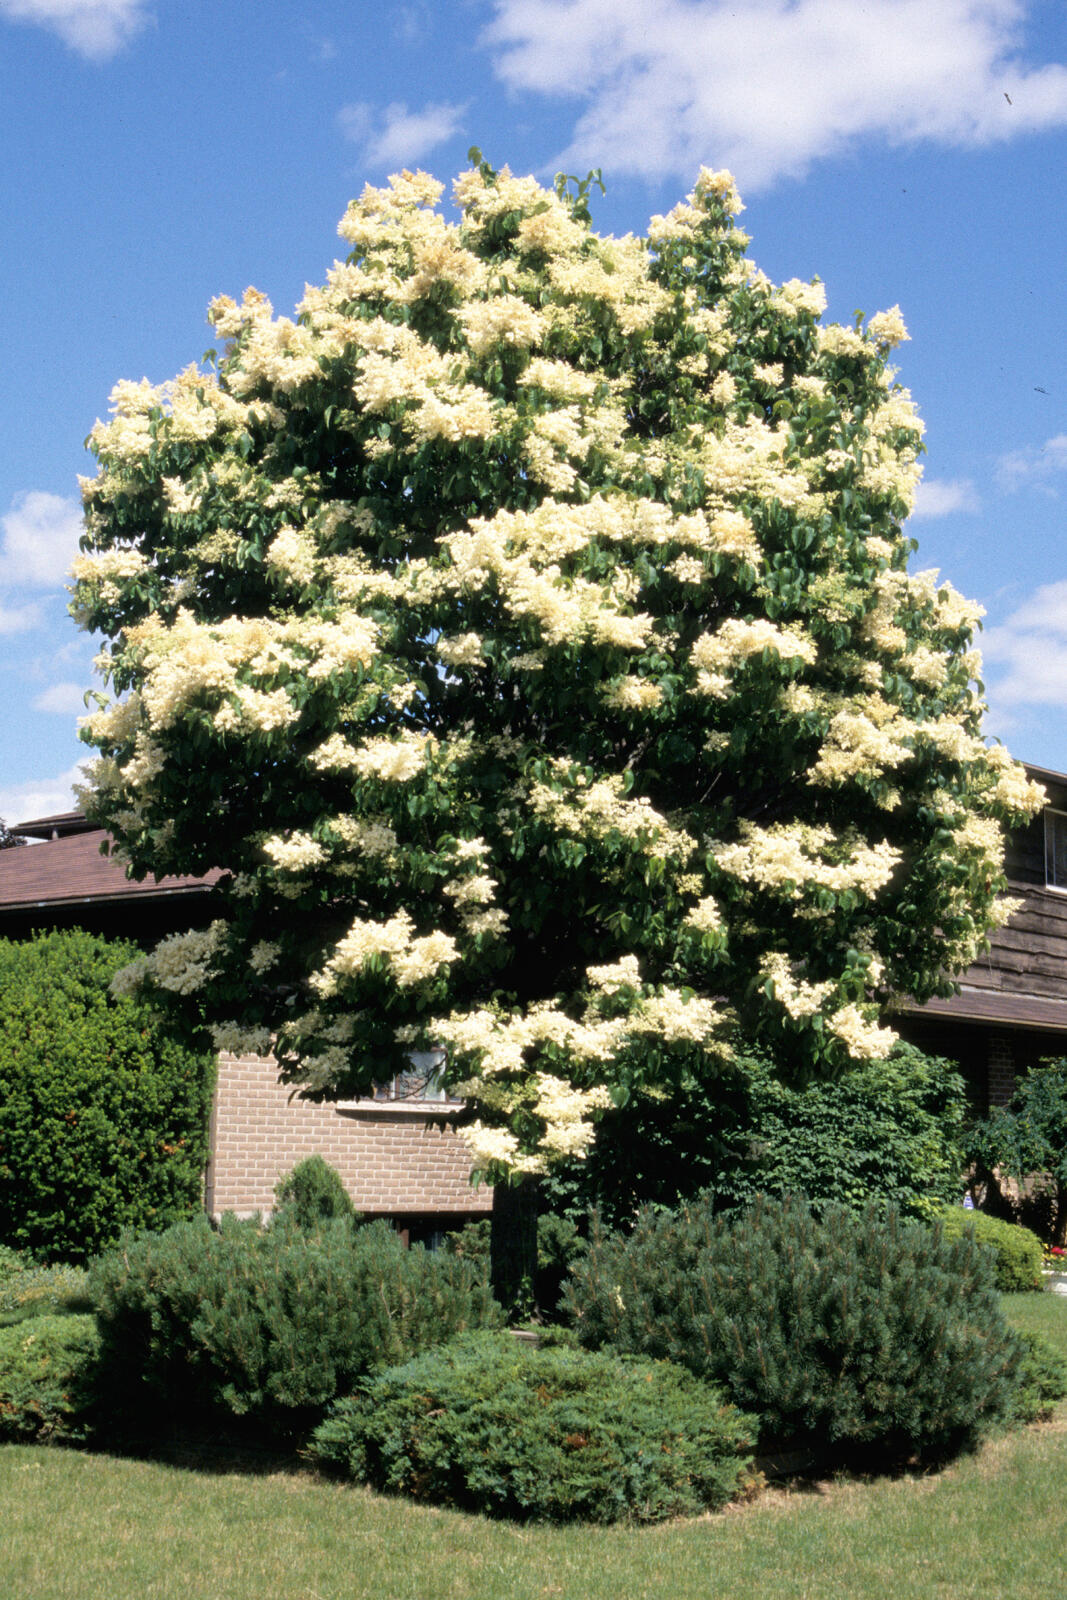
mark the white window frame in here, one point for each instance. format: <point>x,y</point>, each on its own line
<point>1051,813</point>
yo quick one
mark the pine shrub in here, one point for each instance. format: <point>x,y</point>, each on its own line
<point>1042,1378</point>
<point>269,1323</point>
<point>47,1375</point>
<point>1016,1252</point>
<point>488,1424</point>
<point>103,1114</point>
<point>863,1334</point>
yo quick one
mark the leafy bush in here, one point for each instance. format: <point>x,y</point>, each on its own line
<point>1016,1252</point>
<point>487,1424</point>
<point>1027,1141</point>
<point>312,1193</point>
<point>1042,1379</point>
<point>47,1370</point>
<point>864,1333</point>
<point>271,1323</point>
<point>35,1291</point>
<point>103,1116</point>
<point>883,1130</point>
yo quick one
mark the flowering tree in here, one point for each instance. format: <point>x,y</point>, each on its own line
<point>527,628</point>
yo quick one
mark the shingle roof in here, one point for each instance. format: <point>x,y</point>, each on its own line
<point>70,869</point>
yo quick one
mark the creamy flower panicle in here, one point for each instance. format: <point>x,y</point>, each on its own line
<point>525,629</point>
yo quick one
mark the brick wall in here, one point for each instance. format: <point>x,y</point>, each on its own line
<point>393,1161</point>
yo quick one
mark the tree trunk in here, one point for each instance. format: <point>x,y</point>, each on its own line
<point>513,1246</point>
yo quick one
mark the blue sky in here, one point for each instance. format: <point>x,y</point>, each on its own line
<point>158,152</point>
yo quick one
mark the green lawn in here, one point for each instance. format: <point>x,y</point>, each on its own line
<point>81,1527</point>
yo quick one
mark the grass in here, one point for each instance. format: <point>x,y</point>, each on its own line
<point>77,1525</point>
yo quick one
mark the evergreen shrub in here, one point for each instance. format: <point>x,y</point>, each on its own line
<point>1016,1252</point>
<point>488,1424</point>
<point>861,1333</point>
<point>270,1323</point>
<point>47,1377</point>
<point>103,1114</point>
<point>1042,1378</point>
<point>311,1194</point>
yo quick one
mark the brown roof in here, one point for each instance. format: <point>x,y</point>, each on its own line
<point>70,869</point>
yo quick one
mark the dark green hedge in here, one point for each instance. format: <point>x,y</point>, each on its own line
<point>103,1116</point>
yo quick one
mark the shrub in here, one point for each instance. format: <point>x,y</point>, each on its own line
<point>858,1332</point>
<point>312,1193</point>
<point>47,1370</point>
<point>1016,1252</point>
<point>487,1424</point>
<point>1042,1379</point>
<point>34,1291</point>
<point>882,1130</point>
<point>103,1116</point>
<point>269,1323</point>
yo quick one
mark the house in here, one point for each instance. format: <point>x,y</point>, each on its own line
<point>398,1153</point>
<point>1011,1009</point>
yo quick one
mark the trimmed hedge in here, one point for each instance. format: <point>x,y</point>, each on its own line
<point>866,1334</point>
<point>487,1424</point>
<point>47,1379</point>
<point>269,1323</point>
<point>103,1116</point>
<point>1016,1252</point>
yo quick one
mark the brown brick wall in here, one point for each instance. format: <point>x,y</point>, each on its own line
<point>392,1162</point>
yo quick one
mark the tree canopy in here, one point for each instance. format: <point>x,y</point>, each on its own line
<point>527,627</point>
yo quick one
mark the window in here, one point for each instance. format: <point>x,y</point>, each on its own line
<point>420,1088</point>
<point>1056,849</point>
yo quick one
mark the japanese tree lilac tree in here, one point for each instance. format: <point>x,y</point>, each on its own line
<point>527,627</point>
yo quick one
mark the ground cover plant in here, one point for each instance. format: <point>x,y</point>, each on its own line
<point>47,1378</point>
<point>857,1336</point>
<point>268,1323</point>
<point>485,1423</point>
<point>103,1114</point>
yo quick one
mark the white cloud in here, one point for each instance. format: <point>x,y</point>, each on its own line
<point>64,699</point>
<point>1034,463</point>
<point>19,619</point>
<point>941,497</point>
<point>40,540</point>
<point>96,29</point>
<point>768,87</point>
<point>40,797</point>
<point>396,136</point>
<point>1030,648</point>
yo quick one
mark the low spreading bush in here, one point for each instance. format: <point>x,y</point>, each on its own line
<point>270,1323</point>
<point>857,1333</point>
<point>1016,1252</point>
<point>47,1379</point>
<point>487,1424</point>
<point>32,1291</point>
